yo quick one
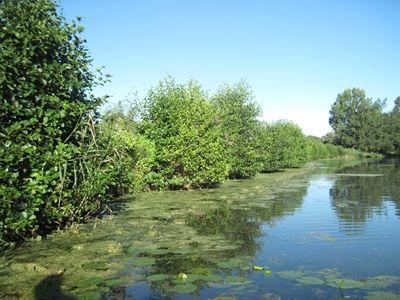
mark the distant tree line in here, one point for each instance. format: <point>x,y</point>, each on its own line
<point>61,161</point>
<point>361,123</point>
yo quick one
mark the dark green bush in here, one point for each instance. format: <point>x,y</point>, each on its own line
<point>187,135</point>
<point>238,114</point>
<point>45,86</point>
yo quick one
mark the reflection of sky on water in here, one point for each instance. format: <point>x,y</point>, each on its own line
<point>315,236</point>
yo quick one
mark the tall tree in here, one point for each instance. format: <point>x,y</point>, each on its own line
<point>394,127</point>
<point>358,121</point>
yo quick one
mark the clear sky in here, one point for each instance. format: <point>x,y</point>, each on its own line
<point>297,55</point>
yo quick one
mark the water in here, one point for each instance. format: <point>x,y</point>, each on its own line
<point>328,231</point>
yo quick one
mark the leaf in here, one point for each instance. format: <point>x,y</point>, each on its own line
<point>186,288</point>
<point>157,277</point>
<point>258,268</point>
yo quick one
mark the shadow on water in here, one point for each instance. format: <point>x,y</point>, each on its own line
<point>50,288</point>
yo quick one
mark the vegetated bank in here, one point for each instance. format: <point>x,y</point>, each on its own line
<point>61,161</point>
<point>361,123</point>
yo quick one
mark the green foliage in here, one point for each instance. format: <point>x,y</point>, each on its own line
<point>187,135</point>
<point>238,115</point>
<point>359,122</point>
<point>45,85</point>
<point>392,122</point>
<point>284,146</point>
<point>130,153</point>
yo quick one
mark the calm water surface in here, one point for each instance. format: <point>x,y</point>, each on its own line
<point>328,231</point>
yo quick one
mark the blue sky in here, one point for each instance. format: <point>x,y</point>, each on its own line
<point>296,55</point>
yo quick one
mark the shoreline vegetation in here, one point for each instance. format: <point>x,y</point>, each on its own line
<point>63,162</point>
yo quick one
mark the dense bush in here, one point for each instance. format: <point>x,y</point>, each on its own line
<point>238,115</point>
<point>45,80</point>
<point>57,166</point>
<point>190,150</point>
<point>288,145</point>
<point>129,154</point>
<point>283,145</point>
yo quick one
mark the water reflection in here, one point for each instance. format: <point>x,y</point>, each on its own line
<point>365,192</point>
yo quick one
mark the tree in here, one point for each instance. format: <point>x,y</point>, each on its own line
<point>393,127</point>
<point>238,115</point>
<point>187,135</point>
<point>358,121</point>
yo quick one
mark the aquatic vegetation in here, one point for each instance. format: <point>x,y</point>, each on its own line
<point>157,277</point>
<point>143,261</point>
<point>379,295</point>
<point>185,288</point>
<point>291,274</point>
<point>307,280</point>
<point>345,283</point>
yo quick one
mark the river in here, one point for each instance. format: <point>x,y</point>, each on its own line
<point>330,230</point>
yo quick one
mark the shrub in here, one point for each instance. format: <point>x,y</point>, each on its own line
<point>288,145</point>
<point>188,139</point>
<point>238,114</point>
<point>45,85</point>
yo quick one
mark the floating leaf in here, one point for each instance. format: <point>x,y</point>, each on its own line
<point>379,295</point>
<point>185,288</point>
<point>213,278</point>
<point>236,280</point>
<point>95,265</point>
<point>115,282</point>
<point>143,261</point>
<point>156,277</point>
<point>258,268</point>
<point>91,281</point>
<point>291,274</point>
<point>310,280</point>
<point>381,282</point>
<point>345,283</point>
<point>89,295</point>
